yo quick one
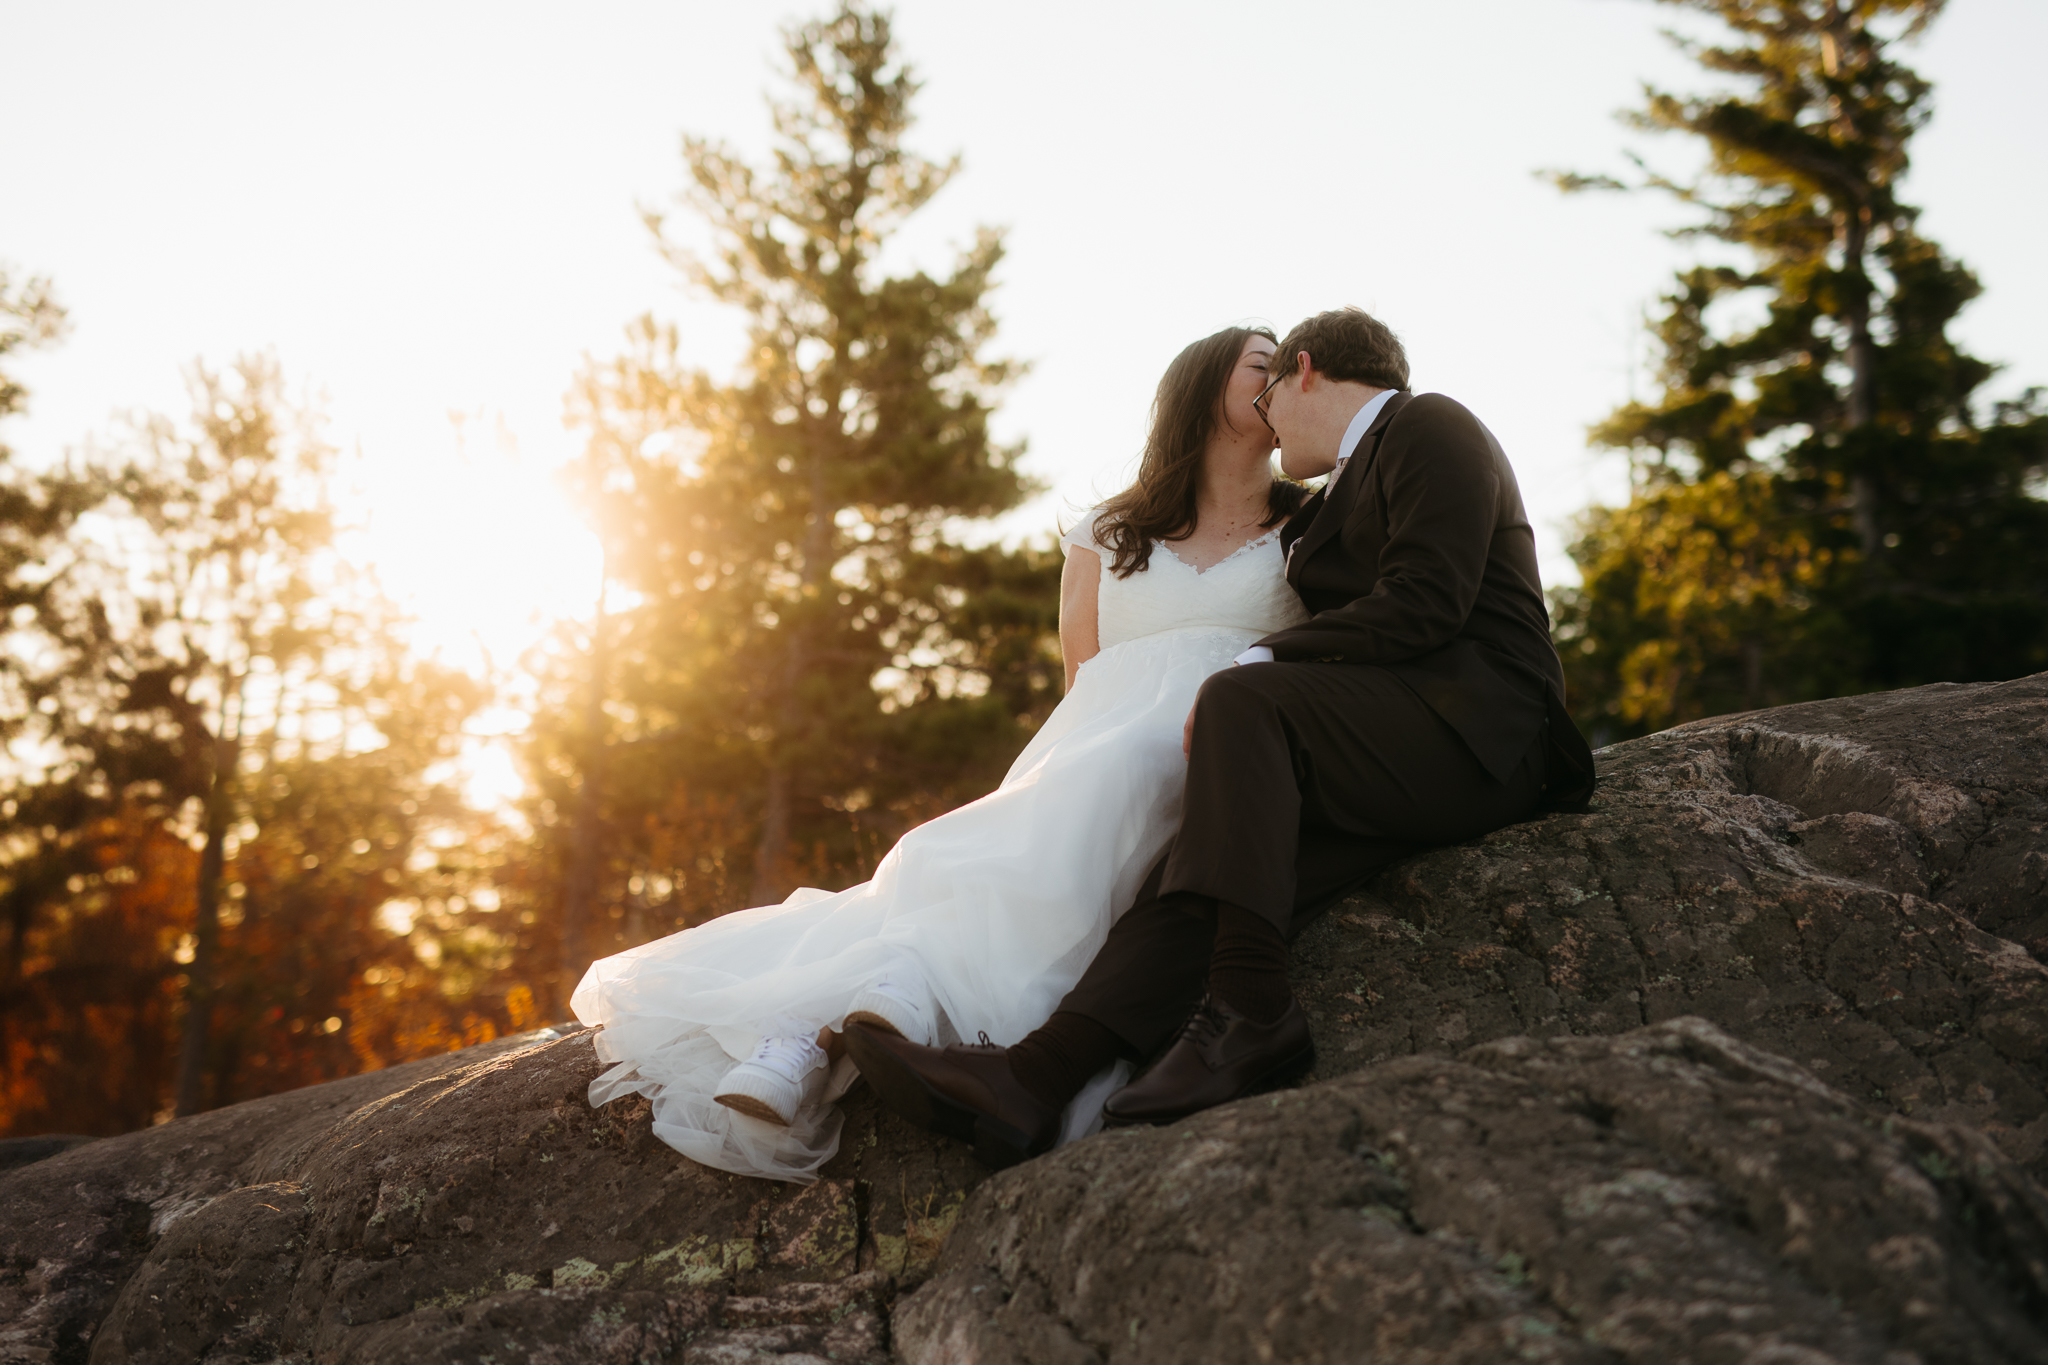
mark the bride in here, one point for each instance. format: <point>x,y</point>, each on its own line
<point>979,921</point>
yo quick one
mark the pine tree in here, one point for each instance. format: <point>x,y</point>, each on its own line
<point>815,659</point>
<point>1821,505</point>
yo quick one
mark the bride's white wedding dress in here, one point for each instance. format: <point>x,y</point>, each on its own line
<point>997,907</point>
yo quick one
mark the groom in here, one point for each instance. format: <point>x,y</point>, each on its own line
<point>1421,703</point>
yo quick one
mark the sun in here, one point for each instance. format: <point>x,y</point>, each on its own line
<point>483,551</point>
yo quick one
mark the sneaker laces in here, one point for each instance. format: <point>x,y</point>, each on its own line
<point>789,1057</point>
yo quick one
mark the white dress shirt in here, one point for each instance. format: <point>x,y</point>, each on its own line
<point>1361,422</point>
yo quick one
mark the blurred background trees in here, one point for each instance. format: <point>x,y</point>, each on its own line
<point>233,858</point>
<point>806,657</point>
<point>1821,505</point>
<point>221,777</point>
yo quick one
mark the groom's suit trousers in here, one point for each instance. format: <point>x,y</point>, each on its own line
<point>1304,779</point>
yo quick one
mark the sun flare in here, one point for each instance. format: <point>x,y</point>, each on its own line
<point>482,549</point>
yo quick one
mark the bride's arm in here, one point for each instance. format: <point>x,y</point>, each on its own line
<point>1080,583</point>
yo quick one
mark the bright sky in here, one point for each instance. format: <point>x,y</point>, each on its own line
<point>429,211</point>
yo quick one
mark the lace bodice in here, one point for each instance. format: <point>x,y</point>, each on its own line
<point>1247,590</point>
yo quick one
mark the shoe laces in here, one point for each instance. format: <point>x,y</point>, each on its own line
<point>790,1057</point>
<point>1206,1022</point>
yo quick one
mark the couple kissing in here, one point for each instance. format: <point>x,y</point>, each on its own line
<point>1272,694</point>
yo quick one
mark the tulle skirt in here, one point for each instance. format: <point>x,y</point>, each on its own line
<point>997,907</point>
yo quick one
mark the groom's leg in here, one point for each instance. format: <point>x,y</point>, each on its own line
<point>1154,964</point>
<point>1148,971</point>
<point>1303,777</point>
<point>1251,838</point>
<point>1304,780</point>
<point>1133,995</point>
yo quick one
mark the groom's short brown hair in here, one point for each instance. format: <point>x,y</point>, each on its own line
<point>1347,344</point>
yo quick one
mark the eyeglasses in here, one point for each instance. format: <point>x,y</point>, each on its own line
<point>1264,401</point>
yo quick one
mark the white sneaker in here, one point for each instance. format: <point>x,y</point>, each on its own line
<point>900,1003</point>
<point>770,1085</point>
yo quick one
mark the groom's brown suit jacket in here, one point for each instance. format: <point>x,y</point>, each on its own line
<point>1419,558</point>
<point>1417,562</point>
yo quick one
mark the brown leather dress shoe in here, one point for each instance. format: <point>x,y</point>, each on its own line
<point>961,1091</point>
<point>1219,1056</point>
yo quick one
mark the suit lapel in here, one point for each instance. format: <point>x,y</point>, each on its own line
<point>1341,492</point>
<point>1304,517</point>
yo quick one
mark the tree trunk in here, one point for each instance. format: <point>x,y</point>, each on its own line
<point>1853,208</point>
<point>1865,491</point>
<point>579,899</point>
<point>771,854</point>
<point>200,983</point>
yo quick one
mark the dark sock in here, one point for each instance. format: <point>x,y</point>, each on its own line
<point>1061,1055</point>
<point>1248,967</point>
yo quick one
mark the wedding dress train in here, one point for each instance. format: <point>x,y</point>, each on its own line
<point>995,907</point>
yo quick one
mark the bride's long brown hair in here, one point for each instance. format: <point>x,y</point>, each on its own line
<point>1161,504</point>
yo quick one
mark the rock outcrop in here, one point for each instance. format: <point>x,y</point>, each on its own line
<point>1749,1063</point>
<point>1858,885</point>
<point>472,1208</point>
<point>1666,1195</point>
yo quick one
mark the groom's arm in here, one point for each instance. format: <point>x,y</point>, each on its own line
<point>1442,488</point>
